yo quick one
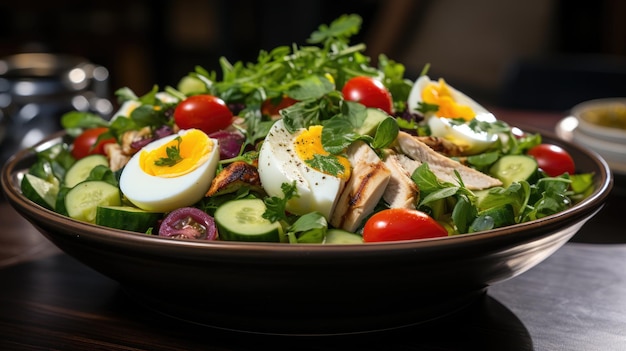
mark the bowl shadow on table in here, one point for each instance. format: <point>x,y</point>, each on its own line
<point>486,324</point>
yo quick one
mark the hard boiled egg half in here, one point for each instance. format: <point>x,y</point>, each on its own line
<point>285,157</point>
<point>129,106</point>
<point>171,172</point>
<point>454,112</point>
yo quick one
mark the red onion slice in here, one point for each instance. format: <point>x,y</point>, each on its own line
<point>230,143</point>
<point>188,223</point>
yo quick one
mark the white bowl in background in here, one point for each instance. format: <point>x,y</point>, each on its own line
<point>614,154</point>
<point>602,119</point>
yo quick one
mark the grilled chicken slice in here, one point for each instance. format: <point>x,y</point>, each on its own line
<point>131,136</point>
<point>233,177</point>
<point>363,190</point>
<point>117,158</point>
<point>442,166</point>
<point>401,191</point>
<point>441,145</point>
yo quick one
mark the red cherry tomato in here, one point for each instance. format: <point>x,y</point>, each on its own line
<point>369,92</point>
<point>85,143</point>
<point>401,224</point>
<point>553,159</point>
<point>271,107</point>
<point>205,112</point>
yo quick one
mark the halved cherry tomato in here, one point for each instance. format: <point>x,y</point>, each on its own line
<point>369,92</point>
<point>85,143</point>
<point>401,224</point>
<point>271,107</point>
<point>553,159</point>
<point>205,112</point>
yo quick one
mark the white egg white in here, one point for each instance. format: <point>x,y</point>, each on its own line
<point>471,141</point>
<point>279,163</point>
<point>153,193</point>
<point>461,134</point>
<point>415,96</point>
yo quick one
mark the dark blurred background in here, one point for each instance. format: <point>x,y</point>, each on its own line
<point>532,54</point>
<point>477,45</point>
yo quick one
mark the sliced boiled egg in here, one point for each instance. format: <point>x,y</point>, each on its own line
<point>319,176</point>
<point>129,106</point>
<point>451,103</point>
<point>171,172</point>
<point>452,108</point>
<point>462,134</point>
<point>126,108</point>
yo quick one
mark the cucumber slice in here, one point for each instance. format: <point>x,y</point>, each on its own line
<point>127,218</point>
<point>338,236</point>
<point>371,122</point>
<point>514,168</point>
<point>83,200</point>
<point>40,191</point>
<point>80,169</point>
<point>60,204</point>
<point>242,220</point>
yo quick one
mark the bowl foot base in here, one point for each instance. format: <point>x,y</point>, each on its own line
<point>293,320</point>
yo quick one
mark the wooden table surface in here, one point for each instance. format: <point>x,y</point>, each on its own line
<point>574,300</point>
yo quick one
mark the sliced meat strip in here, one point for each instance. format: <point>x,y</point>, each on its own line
<point>363,190</point>
<point>401,191</point>
<point>442,166</point>
<point>441,145</point>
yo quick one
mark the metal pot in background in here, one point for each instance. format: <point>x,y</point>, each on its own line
<point>36,89</point>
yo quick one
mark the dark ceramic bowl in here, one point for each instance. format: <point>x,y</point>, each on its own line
<point>311,289</point>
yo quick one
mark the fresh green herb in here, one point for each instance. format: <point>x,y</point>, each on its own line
<point>426,108</point>
<point>74,122</point>
<point>103,173</point>
<point>394,80</point>
<point>173,155</point>
<point>338,133</point>
<point>309,228</point>
<point>52,163</point>
<point>386,133</point>
<point>488,127</point>
<point>436,194</point>
<point>276,205</point>
<point>328,164</point>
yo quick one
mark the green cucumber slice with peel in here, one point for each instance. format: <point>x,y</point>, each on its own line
<point>81,169</point>
<point>242,220</point>
<point>127,217</point>
<point>40,191</point>
<point>82,201</point>
<point>339,236</point>
<point>514,168</point>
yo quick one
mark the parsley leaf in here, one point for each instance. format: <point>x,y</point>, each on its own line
<point>340,29</point>
<point>173,155</point>
<point>328,164</point>
<point>426,108</point>
<point>276,206</point>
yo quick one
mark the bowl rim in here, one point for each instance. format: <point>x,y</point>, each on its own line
<point>523,231</point>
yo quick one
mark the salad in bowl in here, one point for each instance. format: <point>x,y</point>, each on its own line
<point>309,144</point>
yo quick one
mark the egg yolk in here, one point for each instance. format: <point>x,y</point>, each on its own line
<point>440,94</point>
<point>308,144</point>
<point>193,147</point>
